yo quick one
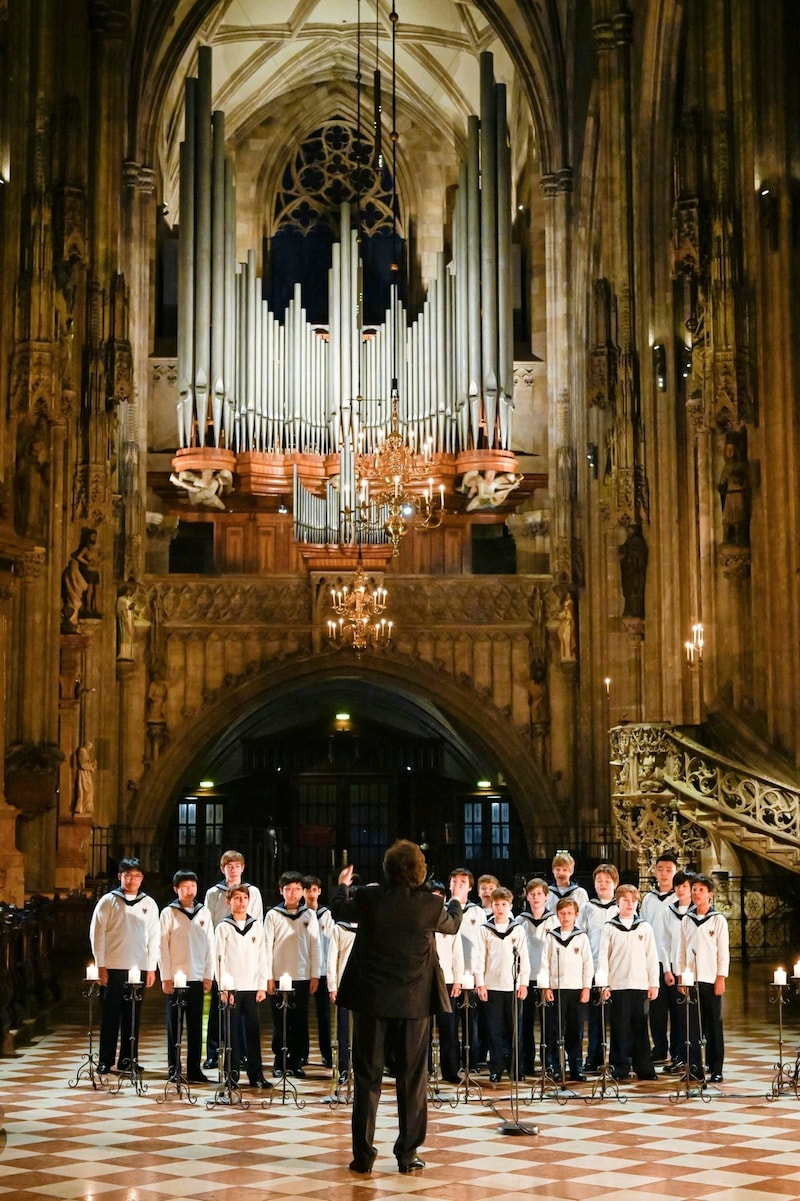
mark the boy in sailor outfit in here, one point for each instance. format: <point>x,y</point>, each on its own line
<point>124,934</point>
<point>536,920</point>
<point>663,1008</point>
<point>231,865</point>
<point>342,938</point>
<point>502,963</point>
<point>566,977</point>
<point>562,886</point>
<point>186,945</point>
<point>592,917</point>
<point>705,950</point>
<point>674,914</point>
<point>312,891</point>
<point>628,960</point>
<point>291,933</point>
<point>239,953</point>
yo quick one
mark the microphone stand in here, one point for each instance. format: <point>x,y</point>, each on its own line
<point>547,1086</point>
<point>514,1126</point>
<point>434,1092</point>
<point>605,1082</point>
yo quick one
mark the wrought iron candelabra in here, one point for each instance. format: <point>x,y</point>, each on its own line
<point>89,1064</point>
<point>285,1003</point>
<point>227,1091</point>
<point>785,1080</point>
<point>545,1084</point>
<point>132,993</point>
<point>178,1082</point>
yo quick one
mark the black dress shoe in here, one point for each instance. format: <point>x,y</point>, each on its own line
<point>716,1078</point>
<point>262,1083</point>
<point>413,1165</point>
<point>197,1078</point>
<point>363,1169</point>
<point>577,1077</point>
<point>299,1073</point>
<point>493,1079</point>
<point>210,1063</point>
<point>103,1069</point>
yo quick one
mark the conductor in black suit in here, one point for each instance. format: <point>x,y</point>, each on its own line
<point>393,984</point>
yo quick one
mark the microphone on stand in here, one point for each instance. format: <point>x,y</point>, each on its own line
<point>514,1126</point>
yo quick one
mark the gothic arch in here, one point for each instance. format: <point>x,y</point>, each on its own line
<point>475,716</point>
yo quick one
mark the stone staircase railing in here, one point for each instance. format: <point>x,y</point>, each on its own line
<point>730,801</point>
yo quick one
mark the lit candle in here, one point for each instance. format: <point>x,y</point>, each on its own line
<point>607,682</point>
<point>468,980</point>
<point>780,976</point>
<point>285,983</point>
<point>92,972</point>
<point>687,976</point>
<point>441,494</point>
<point>228,984</point>
<point>179,979</point>
<point>796,970</point>
<point>134,975</point>
<point>601,979</point>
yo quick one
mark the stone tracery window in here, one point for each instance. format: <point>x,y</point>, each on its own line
<point>334,164</point>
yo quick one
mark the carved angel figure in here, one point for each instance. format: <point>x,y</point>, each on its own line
<point>206,487</point>
<point>488,491</point>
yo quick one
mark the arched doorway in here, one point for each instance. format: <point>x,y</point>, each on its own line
<point>300,785</point>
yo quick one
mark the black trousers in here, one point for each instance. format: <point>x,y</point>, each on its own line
<point>191,1050</point>
<point>119,1017</point>
<point>500,1022</point>
<point>246,1036</point>
<point>710,1014</point>
<point>630,1041</point>
<point>403,1042</point>
<point>572,1015</point>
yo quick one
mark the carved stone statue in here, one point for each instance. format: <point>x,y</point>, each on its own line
<point>488,491</point>
<point>206,487</point>
<point>633,555</point>
<point>87,557</point>
<point>734,490</point>
<point>125,620</point>
<point>156,700</point>
<point>32,479</point>
<point>85,767</point>
<point>567,638</point>
<point>73,590</point>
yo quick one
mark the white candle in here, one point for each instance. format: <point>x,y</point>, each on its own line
<point>601,979</point>
<point>780,976</point>
<point>179,979</point>
<point>687,976</point>
<point>228,983</point>
<point>134,975</point>
<point>285,983</point>
<point>468,980</point>
<point>92,972</point>
<point>796,969</point>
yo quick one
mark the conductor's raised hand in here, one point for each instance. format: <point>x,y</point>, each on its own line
<point>459,889</point>
<point>346,875</point>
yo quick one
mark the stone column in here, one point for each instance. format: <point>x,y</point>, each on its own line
<point>73,838</point>
<point>12,864</point>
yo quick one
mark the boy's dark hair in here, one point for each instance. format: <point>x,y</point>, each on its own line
<point>463,871</point>
<point>404,864</point>
<point>435,886</point>
<point>566,903</point>
<point>129,865</point>
<point>683,878</point>
<point>536,882</point>
<point>182,876</point>
<point>237,888</point>
<point>667,857</point>
<point>709,883</point>
<point>310,881</point>
<point>290,878</point>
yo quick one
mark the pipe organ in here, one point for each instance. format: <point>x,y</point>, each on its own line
<point>293,408</point>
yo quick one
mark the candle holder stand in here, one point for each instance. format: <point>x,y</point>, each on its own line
<point>132,993</point>
<point>687,1087</point>
<point>178,1082</point>
<point>545,1085</point>
<point>435,1077</point>
<point>785,1079</point>
<point>89,1064</point>
<point>513,1125</point>
<point>227,1091</point>
<point>287,1088</point>
<point>341,1079</point>
<point>468,1086</point>
<point>605,1084</point>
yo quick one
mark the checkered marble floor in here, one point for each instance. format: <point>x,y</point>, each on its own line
<point>94,1145</point>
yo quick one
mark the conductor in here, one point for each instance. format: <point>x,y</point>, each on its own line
<point>393,984</point>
